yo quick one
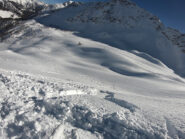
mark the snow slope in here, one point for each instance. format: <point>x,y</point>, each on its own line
<point>60,82</point>
<point>107,88</point>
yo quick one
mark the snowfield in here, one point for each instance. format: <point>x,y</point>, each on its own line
<point>33,107</point>
<point>59,81</point>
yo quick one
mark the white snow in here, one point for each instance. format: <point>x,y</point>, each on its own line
<point>7,14</point>
<point>24,2</point>
<point>59,79</point>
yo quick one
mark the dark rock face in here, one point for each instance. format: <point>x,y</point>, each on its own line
<point>6,25</point>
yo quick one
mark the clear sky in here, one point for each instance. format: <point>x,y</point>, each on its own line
<point>171,12</point>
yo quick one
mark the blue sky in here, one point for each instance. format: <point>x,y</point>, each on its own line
<point>171,12</point>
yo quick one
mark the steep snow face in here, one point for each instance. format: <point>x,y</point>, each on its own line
<point>131,28</point>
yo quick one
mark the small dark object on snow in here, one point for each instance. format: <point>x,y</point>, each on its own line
<point>79,43</point>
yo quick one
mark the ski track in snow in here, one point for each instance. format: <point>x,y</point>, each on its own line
<point>32,107</point>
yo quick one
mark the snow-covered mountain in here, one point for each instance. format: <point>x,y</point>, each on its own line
<point>20,8</point>
<point>106,70</point>
<point>123,21</point>
<point>13,11</point>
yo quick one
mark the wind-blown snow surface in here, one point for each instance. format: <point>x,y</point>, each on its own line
<point>59,84</point>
